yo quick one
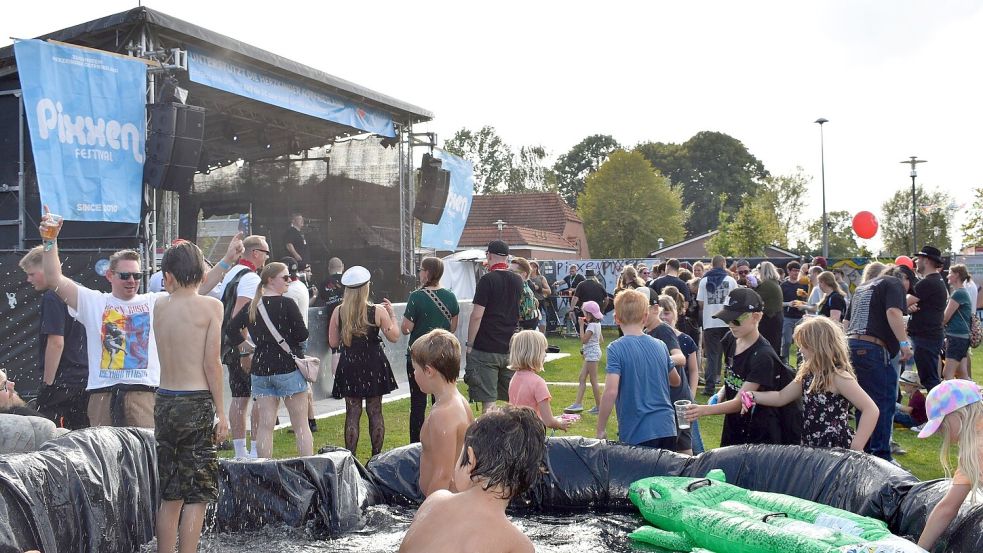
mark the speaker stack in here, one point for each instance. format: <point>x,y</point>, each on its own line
<point>435,183</point>
<point>173,146</point>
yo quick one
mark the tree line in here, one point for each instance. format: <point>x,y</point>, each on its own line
<point>630,197</point>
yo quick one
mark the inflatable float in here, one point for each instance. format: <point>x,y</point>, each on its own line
<point>708,514</point>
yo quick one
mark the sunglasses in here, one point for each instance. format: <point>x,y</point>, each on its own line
<point>736,323</point>
<point>129,276</point>
<point>743,273</point>
<point>267,252</point>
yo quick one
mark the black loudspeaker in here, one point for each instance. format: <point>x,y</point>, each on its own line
<point>435,183</point>
<point>173,146</point>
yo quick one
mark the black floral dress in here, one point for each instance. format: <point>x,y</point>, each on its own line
<point>826,418</point>
<point>363,369</point>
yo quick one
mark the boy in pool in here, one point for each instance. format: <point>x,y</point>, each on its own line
<point>188,330</point>
<point>436,358</point>
<point>502,457</point>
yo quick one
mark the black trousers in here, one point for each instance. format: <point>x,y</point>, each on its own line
<point>418,404</point>
<point>67,406</point>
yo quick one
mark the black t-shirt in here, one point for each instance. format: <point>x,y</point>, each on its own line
<point>665,333</point>
<point>73,368</point>
<point>932,295</point>
<point>573,281</point>
<point>295,237</point>
<point>760,365</point>
<point>330,294</point>
<point>590,290</point>
<point>670,280</point>
<point>868,310</point>
<point>270,358</point>
<point>790,292</point>
<point>498,292</point>
<point>834,302</point>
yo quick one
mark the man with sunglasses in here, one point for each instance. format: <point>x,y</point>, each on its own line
<point>123,368</point>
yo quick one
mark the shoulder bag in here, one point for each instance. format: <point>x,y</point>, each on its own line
<point>975,331</point>
<point>440,305</point>
<point>309,367</point>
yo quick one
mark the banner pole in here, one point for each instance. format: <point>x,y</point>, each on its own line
<point>21,203</point>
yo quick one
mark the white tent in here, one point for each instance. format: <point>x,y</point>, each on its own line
<point>462,271</point>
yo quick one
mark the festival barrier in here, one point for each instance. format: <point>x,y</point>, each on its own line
<point>96,489</point>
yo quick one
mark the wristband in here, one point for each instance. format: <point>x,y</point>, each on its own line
<point>905,344</point>
<point>48,245</point>
<point>225,266</point>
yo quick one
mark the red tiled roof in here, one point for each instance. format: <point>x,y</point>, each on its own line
<point>536,210</point>
<point>479,237</point>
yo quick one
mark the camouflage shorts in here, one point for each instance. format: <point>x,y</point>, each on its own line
<point>187,465</point>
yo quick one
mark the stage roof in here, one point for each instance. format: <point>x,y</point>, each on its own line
<point>254,122</point>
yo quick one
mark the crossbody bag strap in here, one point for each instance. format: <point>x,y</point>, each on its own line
<point>269,326</point>
<point>440,305</point>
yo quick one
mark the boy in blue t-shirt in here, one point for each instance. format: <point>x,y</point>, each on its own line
<point>639,373</point>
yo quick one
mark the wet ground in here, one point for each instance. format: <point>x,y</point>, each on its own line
<point>569,533</point>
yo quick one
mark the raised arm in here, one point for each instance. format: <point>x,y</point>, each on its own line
<point>65,287</point>
<point>215,274</point>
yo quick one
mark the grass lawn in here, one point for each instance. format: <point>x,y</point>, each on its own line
<point>922,458</point>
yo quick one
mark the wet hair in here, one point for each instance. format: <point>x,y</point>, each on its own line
<point>970,417</point>
<point>631,307</point>
<point>123,255</point>
<point>270,272</point>
<point>509,446</point>
<point>32,259</point>
<point>792,265</point>
<point>828,352</point>
<point>438,349</point>
<point>527,351</point>
<point>874,270</point>
<point>523,264</point>
<point>435,269</point>
<point>185,263</point>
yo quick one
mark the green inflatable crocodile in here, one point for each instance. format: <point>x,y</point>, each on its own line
<point>692,514</point>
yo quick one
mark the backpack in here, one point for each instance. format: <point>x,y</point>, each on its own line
<point>229,296</point>
<point>528,305</point>
<point>975,332</point>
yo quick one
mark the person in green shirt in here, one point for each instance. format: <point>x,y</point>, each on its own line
<point>771,294</point>
<point>957,318</point>
<point>427,308</point>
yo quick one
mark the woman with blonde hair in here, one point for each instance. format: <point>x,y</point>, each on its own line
<point>274,375</point>
<point>832,304</point>
<point>363,372</point>
<point>628,280</point>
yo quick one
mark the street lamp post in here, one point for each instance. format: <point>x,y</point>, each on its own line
<point>661,241</point>
<point>913,161</point>
<point>501,225</point>
<point>822,165</point>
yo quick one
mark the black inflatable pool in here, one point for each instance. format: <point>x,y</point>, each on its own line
<point>95,490</point>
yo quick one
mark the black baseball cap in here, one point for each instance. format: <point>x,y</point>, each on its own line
<point>291,264</point>
<point>739,302</point>
<point>498,247</point>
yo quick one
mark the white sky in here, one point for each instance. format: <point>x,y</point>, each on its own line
<point>895,78</point>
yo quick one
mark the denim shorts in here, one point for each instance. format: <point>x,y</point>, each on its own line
<point>279,385</point>
<point>956,347</point>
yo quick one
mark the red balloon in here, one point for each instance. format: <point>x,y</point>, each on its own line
<point>865,224</point>
<point>905,260</point>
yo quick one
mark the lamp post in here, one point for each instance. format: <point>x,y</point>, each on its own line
<point>822,165</point>
<point>661,241</point>
<point>501,225</point>
<point>913,161</point>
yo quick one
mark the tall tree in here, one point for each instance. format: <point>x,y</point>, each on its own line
<point>627,206</point>
<point>714,172</point>
<point>973,227</point>
<point>490,155</point>
<point>787,195</point>
<point>932,217</point>
<point>748,232</point>
<point>573,167</point>
<point>842,239</point>
<point>528,171</point>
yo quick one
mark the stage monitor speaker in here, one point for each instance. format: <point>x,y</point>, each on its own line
<point>435,183</point>
<point>173,146</point>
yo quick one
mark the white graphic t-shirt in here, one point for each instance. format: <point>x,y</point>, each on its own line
<point>714,301</point>
<point>120,338</point>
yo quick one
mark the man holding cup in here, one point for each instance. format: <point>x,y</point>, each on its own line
<point>123,368</point>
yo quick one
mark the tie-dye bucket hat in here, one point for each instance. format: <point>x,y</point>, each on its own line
<point>946,398</point>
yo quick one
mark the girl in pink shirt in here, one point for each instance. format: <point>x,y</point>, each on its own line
<point>527,352</point>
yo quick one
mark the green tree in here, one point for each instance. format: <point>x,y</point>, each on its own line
<point>842,239</point>
<point>787,195</point>
<point>973,228</point>
<point>490,155</point>
<point>627,206</point>
<point>932,218</point>
<point>714,172</point>
<point>748,232</point>
<point>573,167</point>
<point>528,171</point>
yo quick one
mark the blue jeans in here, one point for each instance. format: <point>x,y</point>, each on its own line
<point>788,328</point>
<point>904,419</point>
<point>927,352</point>
<point>879,379</point>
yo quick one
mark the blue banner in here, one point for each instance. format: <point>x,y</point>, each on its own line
<point>275,90</point>
<point>447,233</point>
<point>87,116</point>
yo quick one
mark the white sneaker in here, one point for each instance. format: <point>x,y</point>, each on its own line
<point>575,408</point>
<point>917,428</point>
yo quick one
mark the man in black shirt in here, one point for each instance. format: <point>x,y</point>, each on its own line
<point>794,294</point>
<point>572,280</point>
<point>294,241</point>
<point>926,303</point>
<point>589,290</point>
<point>494,316</point>
<point>671,278</point>
<point>875,328</point>
<point>62,358</point>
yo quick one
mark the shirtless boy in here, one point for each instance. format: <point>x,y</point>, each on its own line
<point>502,458</point>
<point>187,327</point>
<point>436,358</point>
